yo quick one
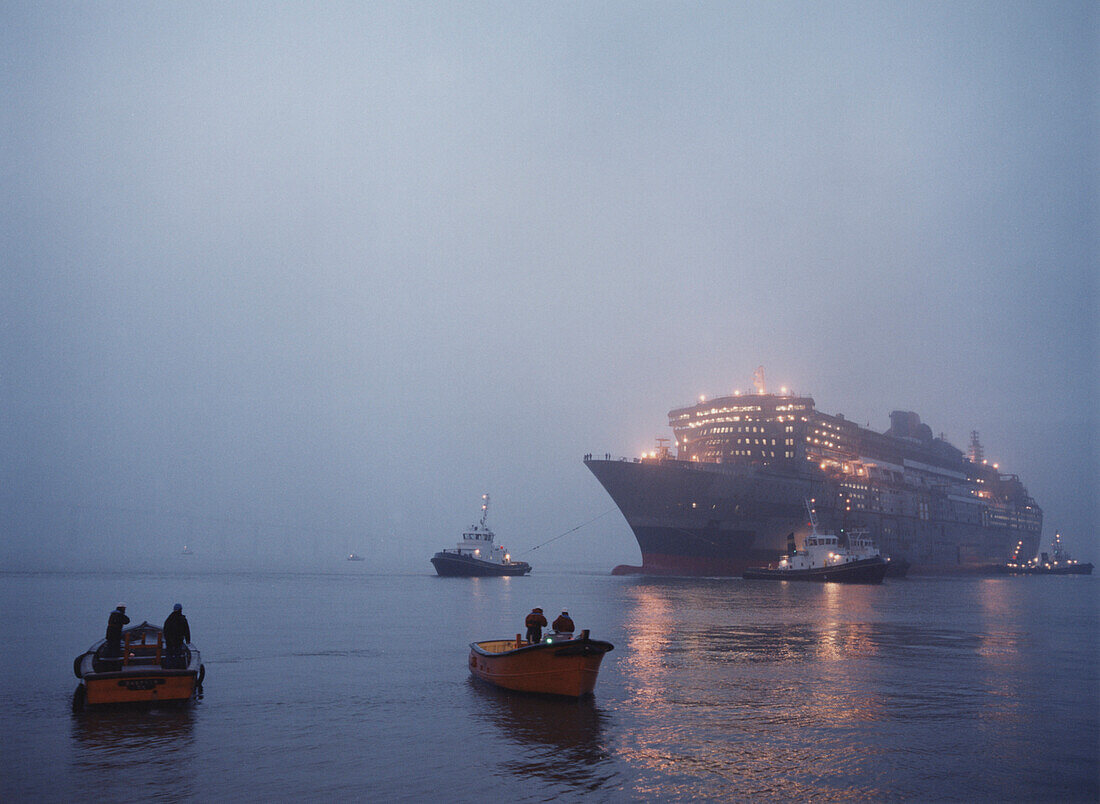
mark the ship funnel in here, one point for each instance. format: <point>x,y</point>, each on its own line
<point>790,544</point>
<point>758,380</point>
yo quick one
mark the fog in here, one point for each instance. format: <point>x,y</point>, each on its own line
<point>282,282</point>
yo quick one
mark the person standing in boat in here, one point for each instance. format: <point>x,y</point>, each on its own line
<point>115,621</point>
<point>564,624</point>
<point>535,622</point>
<point>176,633</point>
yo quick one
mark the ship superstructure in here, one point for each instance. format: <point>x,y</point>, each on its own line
<point>743,465</point>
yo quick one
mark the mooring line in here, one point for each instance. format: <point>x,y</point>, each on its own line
<point>589,522</point>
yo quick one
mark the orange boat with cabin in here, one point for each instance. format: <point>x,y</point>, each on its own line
<point>145,673</point>
<point>558,665</point>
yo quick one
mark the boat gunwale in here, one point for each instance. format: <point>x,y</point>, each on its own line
<point>138,671</point>
<point>600,645</point>
<point>141,664</point>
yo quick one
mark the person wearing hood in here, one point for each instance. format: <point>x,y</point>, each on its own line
<point>564,624</point>
<point>115,620</point>
<point>176,633</point>
<point>535,622</point>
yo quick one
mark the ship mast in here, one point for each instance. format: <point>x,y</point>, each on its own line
<point>813,514</point>
<point>484,509</point>
<point>977,454</point>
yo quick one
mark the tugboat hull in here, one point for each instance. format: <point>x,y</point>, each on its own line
<point>455,565</point>
<point>869,570</point>
<point>1066,569</point>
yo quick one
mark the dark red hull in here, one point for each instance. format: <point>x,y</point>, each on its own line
<point>664,564</point>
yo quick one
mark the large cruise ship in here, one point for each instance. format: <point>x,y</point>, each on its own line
<point>745,465</point>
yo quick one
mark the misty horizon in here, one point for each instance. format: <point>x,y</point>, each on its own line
<point>287,283</point>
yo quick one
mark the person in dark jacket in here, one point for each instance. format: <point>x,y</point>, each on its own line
<point>176,633</point>
<point>115,621</point>
<point>564,624</point>
<point>535,622</point>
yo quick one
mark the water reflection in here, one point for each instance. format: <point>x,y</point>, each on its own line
<point>999,609</point>
<point>752,692</point>
<point>658,631</point>
<point>1001,656</point>
<point>649,645</point>
<point>560,739</point>
<point>145,751</point>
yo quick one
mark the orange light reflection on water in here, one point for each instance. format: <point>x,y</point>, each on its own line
<point>999,649</point>
<point>770,689</point>
<point>648,645</point>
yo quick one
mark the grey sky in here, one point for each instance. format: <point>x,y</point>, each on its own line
<point>288,280</point>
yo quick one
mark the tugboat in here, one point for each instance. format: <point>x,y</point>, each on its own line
<point>476,555</point>
<point>824,559</point>
<point>144,674</point>
<point>556,665</point>
<point>1057,562</point>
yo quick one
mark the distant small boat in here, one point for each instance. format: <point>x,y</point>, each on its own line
<point>187,551</point>
<point>355,557</point>
<point>824,559</point>
<point>558,665</point>
<point>1056,562</point>
<point>476,555</point>
<point>141,675</point>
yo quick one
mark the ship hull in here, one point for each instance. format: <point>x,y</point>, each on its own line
<point>453,565</point>
<point>694,518</point>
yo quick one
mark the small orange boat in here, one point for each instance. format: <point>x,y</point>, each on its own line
<point>558,665</point>
<point>144,673</point>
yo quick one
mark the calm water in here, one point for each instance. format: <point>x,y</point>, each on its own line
<point>354,686</point>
